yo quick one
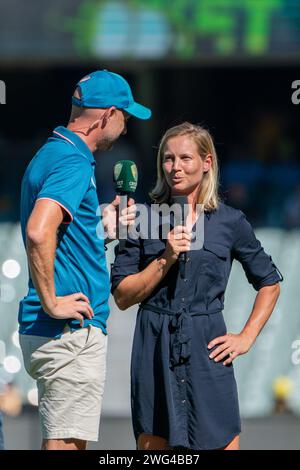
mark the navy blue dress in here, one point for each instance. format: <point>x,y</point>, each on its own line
<point>177,392</point>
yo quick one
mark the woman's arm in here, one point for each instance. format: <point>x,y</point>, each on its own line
<point>135,288</point>
<point>263,307</point>
<point>264,276</point>
<point>237,344</point>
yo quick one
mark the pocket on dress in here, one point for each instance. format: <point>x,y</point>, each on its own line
<point>220,251</point>
<point>212,272</point>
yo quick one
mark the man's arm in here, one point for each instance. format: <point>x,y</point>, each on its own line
<point>41,240</point>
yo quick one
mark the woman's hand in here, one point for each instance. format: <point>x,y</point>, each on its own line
<point>230,344</point>
<point>178,241</point>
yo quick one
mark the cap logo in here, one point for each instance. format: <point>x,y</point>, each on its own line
<point>84,79</point>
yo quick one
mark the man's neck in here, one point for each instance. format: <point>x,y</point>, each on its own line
<point>81,133</point>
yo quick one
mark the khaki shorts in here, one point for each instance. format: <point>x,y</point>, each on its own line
<point>70,374</point>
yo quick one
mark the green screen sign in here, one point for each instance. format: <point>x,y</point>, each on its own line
<point>150,29</point>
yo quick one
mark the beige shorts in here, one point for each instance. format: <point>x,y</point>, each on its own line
<point>70,374</point>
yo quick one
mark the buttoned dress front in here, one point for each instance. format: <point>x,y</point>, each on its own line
<point>177,391</point>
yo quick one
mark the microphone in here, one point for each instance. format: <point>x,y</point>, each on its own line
<point>125,177</point>
<point>181,201</point>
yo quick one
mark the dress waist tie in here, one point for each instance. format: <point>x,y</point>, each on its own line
<point>180,329</point>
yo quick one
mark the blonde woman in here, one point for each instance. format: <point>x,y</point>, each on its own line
<point>183,387</point>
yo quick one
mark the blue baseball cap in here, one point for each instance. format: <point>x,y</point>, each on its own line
<point>103,89</point>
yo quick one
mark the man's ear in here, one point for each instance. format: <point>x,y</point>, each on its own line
<point>107,115</point>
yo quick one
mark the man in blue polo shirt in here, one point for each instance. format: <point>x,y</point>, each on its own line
<point>63,317</point>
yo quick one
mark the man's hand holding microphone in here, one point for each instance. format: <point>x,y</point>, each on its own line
<point>113,217</point>
<point>120,213</point>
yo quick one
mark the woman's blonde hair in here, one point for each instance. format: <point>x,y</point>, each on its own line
<point>208,194</point>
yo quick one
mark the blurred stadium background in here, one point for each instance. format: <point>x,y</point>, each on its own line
<point>228,64</point>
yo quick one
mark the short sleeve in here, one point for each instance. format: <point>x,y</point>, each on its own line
<point>127,261</point>
<point>67,182</point>
<point>259,267</point>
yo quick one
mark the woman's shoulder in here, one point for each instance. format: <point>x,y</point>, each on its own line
<point>230,213</point>
<point>227,224</point>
